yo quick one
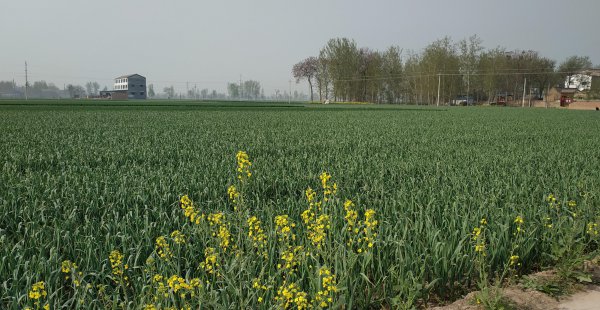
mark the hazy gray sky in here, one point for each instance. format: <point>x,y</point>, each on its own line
<point>209,43</point>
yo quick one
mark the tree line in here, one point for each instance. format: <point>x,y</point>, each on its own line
<point>344,72</point>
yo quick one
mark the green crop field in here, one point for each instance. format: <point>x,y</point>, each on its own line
<point>426,202</point>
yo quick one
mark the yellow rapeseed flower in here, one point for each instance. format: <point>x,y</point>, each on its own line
<point>325,296</point>
<point>190,210</point>
<point>178,237</point>
<point>592,229</point>
<point>283,228</point>
<point>257,235</point>
<point>210,263</point>
<point>38,291</point>
<point>514,259</point>
<point>163,249</point>
<point>289,296</point>
<point>291,259</point>
<point>243,166</point>
<point>116,264</point>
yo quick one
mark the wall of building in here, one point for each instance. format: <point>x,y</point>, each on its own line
<point>136,87</point>
<point>120,84</point>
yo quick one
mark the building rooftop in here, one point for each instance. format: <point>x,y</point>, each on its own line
<point>127,76</point>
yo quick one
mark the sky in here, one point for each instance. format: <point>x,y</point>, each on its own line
<point>210,43</point>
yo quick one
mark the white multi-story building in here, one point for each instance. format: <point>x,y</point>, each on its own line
<point>132,85</point>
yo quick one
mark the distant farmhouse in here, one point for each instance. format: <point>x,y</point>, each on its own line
<point>584,85</point>
<point>584,80</point>
<point>131,86</point>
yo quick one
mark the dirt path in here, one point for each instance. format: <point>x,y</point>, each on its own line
<point>586,300</point>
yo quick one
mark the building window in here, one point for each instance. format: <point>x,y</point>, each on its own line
<point>142,93</point>
<point>132,93</point>
<point>141,85</point>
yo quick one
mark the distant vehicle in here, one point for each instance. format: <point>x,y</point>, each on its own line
<point>463,100</point>
<point>502,98</point>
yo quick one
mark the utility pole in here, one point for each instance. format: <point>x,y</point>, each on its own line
<point>187,89</point>
<point>524,87</point>
<point>290,93</point>
<point>26,80</point>
<point>468,87</point>
<point>439,83</point>
<point>240,90</point>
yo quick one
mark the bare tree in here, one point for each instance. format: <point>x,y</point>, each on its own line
<point>306,69</point>
<point>151,93</point>
<point>170,91</point>
<point>96,88</point>
<point>89,88</point>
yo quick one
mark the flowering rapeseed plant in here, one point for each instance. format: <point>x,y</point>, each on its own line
<point>257,236</point>
<point>290,295</point>
<point>325,296</point>
<point>290,259</point>
<point>243,166</point>
<point>69,268</point>
<point>283,228</point>
<point>163,249</point>
<point>190,211</point>
<point>210,263</point>
<point>37,294</point>
<point>219,225</point>
<point>178,237</point>
<point>116,264</point>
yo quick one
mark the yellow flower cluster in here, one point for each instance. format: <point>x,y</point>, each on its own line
<point>220,230</point>
<point>161,288</point>
<point>234,196</point>
<point>369,230</point>
<point>547,222</point>
<point>290,296</point>
<point>243,166</point>
<point>190,211</point>
<point>116,263</point>
<point>478,237</point>
<point>210,263</point>
<point>317,230</point>
<point>514,260</point>
<point>592,229</point>
<point>519,223</point>
<point>351,215</point>
<point>328,189</point>
<point>178,237</point>
<point>317,224</point>
<point>260,288</point>
<point>324,297</point>
<point>362,233</point>
<point>257,235</point>
<point>38,291</point>
<point>163,249</point>
<point>179,286</point>
<point>290,259</point>
<point>69,268</point>
<point>310,195</point>
<point>283,228</point>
